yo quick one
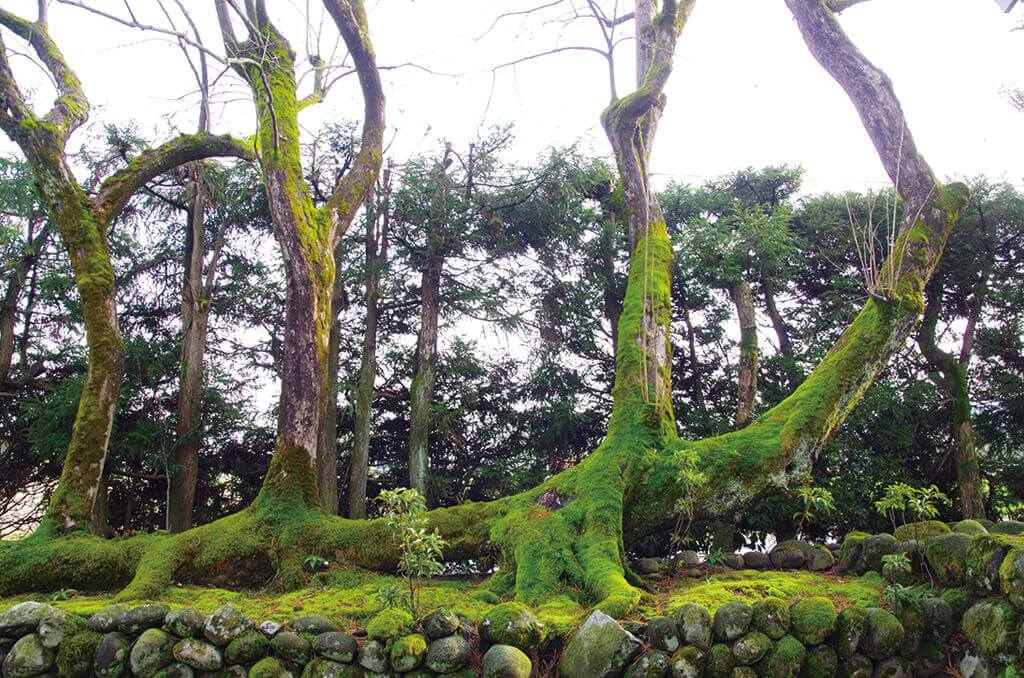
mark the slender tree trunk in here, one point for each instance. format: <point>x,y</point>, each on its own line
<point>424,375</point>
<point>195,314</point>
<point>9,303</point>
<point>376,260</point>
<point>746,379</point>
<point>793,375</point>
<point>953,384</point>
<point>327,452</point>
<point>696,380</point>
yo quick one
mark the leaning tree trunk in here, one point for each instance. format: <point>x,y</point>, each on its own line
<point>746,378</point>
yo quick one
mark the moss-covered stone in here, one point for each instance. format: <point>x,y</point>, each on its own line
<point>313,624</point>
<point>857,666</point>
<point>151,652</point>
<point>601,647</point>
<point>849,552</point>
<point>291,647</point>
<point>225,624</point>
<point>448,655</point>
<point>199,654</point>
<point>408,652</point>
<point>720,662</point>
<point>249,648</point>
<point>930,660</point>
<point>269,667</point>
<point>319,667</point>
<point>178,670</point>
<point>389,623</point>
<point>789,555</point>
<point>785,660</point>
<point>920,530</point>
<point>959,600</point>
<point>813,620</point>
<point>440,623</point>
<point>694,624</point>
<point>743,672</point>
<point>771,617</point>
<point>185,622</point>
<point>28,657</point>
<point>968,526</point>
<point>76,654</point>
<point>505,661</point>
<point>946,556</point>
<point>751,648</point>
<point>653,664</point>
<point>732,620</point>
<point>138,619</point>
<point>112,656</point>
<point>56,625</point>
<point>108,619</point>
<point>1011,577</point>
<point>1011,527</point>
<point>893,667</point>
<point>662,634</point>
<point>335,646</point>
<point>373,656</point>
<point>688,662</point>
<point>883,635</point>
<point>990,626</point>
<point>940,622</point>
<point>975,666</point>
<point>914,623</point>
<point>851,623</point>
<point>513,624</point>
<point>820,662</point>
<point>22,618</point>
<point>985,556</point>
<point>874,548</point>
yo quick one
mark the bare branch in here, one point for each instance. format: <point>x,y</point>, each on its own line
<point>556,50</point>
<point>521,12</point>
<point>840,5</point>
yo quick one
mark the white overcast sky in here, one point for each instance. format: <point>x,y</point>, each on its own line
<point>745,91</point>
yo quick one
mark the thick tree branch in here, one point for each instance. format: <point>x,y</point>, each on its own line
<point>115,191</point>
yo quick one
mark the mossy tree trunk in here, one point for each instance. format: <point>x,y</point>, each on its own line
<point>307,235</point>
<point>82,222</point>
<point>951,377</point>
<point>327,447</point>
<point>571,531</point>
<point>746,376</point>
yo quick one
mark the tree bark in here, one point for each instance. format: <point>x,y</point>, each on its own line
<point>376,260</point>
<point>952,382</point>
<point>9,305</point>
<point>746,378</point>
<point>327,451</point>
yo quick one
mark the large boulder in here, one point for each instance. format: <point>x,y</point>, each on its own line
<point>813,619</point>
<point>601,648</point>
<point>313,624</point>
<point>820,559</point>
<point>732,620</point>
<point>914,624</point>
<point>449,654</point>
<point>1011,527</point>
<point>225,624</point>
<point>974,666</point>
<point>946,555</point>
<point>688,662</point>
<point>373,656</point>
<point>137,619</point>
<point>920,530</point>
<point>694,624</point>
<point>76,654</point>
<point>179,670</point>
<point>857,666</point>
<point>849,552</point>
<point>720,662</point>
<point>985,556</point>
<point>785,660</point>
<point>28,657</point>
<point>22,619</point>
<point>756,560</point>
<point>325,668</point>
<point>108,619</point>
<point>821,662</point>
<point>940,620</point>
<point>968,526</point>
<point>647,566</point>
<point>389,623</point>
<point>883,634</point>
<point>990,626</point>
<point>512,624</point>
<point>269,667</point>
<point>56,625</point>
<point>930,660</point>
<point>291,647</point>
<point>152,651</point>
<point>771,617</point>
<point>506,661</point>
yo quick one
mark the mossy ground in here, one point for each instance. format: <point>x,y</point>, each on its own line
<point>349,596</point>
